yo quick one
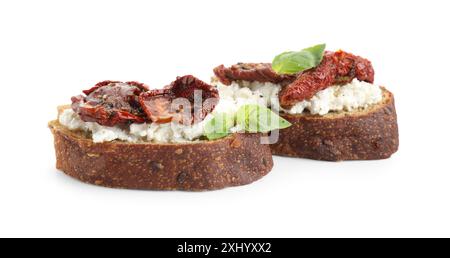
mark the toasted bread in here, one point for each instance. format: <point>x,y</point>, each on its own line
<point>367,134</point>
<point>237,159</point>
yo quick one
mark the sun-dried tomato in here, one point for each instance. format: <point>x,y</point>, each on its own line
<point>261,72</point>
<point>186,100</point>
<point>336,68</point>
<point>156,104</point>
<point>111,103</point>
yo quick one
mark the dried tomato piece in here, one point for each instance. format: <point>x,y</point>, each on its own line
<point>111,103</point>
<point>336,68</point>
<point>157,105</point>
<point>204,103</point>
<point>350,66</point>
<point>187,100</point>
<point>261,72</point>
<point>185,87</point>
<point>140,85</point>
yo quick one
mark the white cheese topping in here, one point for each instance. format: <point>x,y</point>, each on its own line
<point>354,95</point>
<point>161,133</point>
<point>232,97</point>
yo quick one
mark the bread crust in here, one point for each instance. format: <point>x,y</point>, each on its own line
<point>369,134</point>
<point>238,159</point>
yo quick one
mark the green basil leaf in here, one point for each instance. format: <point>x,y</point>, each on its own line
<point>258,119</point>
<point>250,118</point>
<point>219,126</point>
<point>296,61</point>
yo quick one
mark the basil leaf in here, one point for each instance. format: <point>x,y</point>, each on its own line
<point>258,119</point>
<point>250,118</point>
<point>292,62</point>
<point>219,126</point>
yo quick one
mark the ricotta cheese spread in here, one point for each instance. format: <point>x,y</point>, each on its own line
<point>152,132</point>
<point>354,95</point>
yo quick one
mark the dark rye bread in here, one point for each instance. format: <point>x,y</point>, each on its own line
<point>238,159</point>
<point>367,134</point>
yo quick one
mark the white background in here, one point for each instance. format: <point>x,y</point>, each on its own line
<point>50,50</point>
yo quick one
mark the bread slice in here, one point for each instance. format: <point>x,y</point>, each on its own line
<point>367,134</point>
<point>237,159</point>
